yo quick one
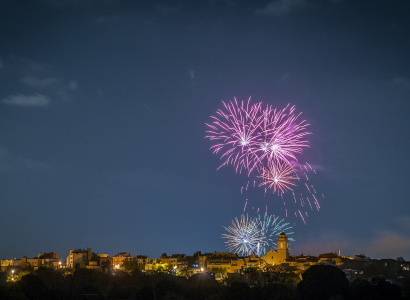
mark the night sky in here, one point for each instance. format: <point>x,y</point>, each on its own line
<point>103,106</point>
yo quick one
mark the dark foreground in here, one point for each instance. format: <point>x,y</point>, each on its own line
<point>318,282</point>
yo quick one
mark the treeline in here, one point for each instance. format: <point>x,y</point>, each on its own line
<point>319,282</point>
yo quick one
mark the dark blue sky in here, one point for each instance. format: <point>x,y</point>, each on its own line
<point>103,107</point>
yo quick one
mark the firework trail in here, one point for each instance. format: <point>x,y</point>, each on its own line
<point>293,194</point>
<point>270,227</point>
<point>244,236</point>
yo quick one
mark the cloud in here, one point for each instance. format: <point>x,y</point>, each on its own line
<point>62,3</point>
<point>104,19</point>
<point>322,243</point>
<point>403,81</point>
<point>337,1</point>
<point>3,152</point>
<point>167,9</point>
<point>284,77</point>
<point>36,82</point>
<point>39,82</point>
<point>9,162</point>
<point>72,85</point>
<point>27,100</point>
<point>280,7</point>
<point>76,3</point>
<point>383,244</point>
<point>403,222</point>
<point>388,244</point>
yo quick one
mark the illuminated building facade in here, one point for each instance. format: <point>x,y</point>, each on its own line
<point>279,256</point>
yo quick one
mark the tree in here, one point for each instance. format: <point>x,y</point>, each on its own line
<point>219,272</point>
<point>268,275</point>
<point>33,287</point>
<point>321,282</point>
<point>106,266</point>
<point>132,266</point>
<point>239,290</point>
<point>361,289</point>
<point>184,272</point>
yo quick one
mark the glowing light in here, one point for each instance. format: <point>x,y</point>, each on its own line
<point>261,139</point>
<point>244,236</point>
<point>270,227</point>
<point>235,129</point>
<point>280,177</point>
<point>250,136</point>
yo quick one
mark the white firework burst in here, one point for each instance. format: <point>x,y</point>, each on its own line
<point>244,236</point>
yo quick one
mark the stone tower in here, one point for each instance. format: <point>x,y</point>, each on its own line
<point>283,247</point>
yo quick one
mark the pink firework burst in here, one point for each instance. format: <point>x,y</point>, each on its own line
<point>280,177</point>
<point>249,136</point>
<point>235,129</point>
<point>267,141</point>
<point>281,136</point>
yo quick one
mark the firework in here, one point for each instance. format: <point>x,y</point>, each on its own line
<point>261,139</point>
<point>280,177</point>
<point>270,227</point>
<point>244,236</point>
<point>297,197</point>
<point>250,136</point>
<point>281,136</point>
<point>235,130</point>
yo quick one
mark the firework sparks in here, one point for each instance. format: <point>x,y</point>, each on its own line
<point>270,227</point>
<point>281,136</point>
<point>297,194</point>
<point>280,177</point>
<point>244,236</point>
<point>234,130</point>
<point>249,136</point>
<point>261,139</point>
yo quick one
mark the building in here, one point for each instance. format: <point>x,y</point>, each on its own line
<point>79,257</point>
<point>221,263</point>
<point>118,260</point>
<point>171,260</point>
<point>279,256</point>
<point>9,263</point>
<point>49,260</point>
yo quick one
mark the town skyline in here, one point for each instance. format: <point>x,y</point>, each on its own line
<point>130,252</point>
<point>222,273</point>
<point>221,266</point>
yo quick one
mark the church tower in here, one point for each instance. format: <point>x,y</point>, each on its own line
<point>283,247</point>
<point>277,257</point>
